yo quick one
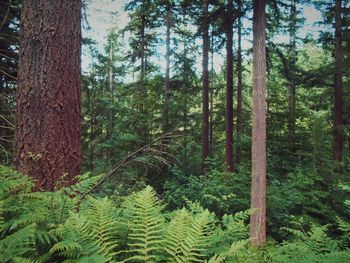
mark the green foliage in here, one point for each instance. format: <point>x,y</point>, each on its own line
<point>63,227</point>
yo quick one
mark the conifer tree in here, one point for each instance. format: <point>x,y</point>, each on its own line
<point>47,137</point>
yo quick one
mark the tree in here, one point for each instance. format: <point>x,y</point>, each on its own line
<point>258,196</point>
<point>239,83</point>
<point>291,75</point>
<point>338,87</point>
<point>205,84</point>
<point>47,136</point>
<point>168,18</point>
<point>229,88</point>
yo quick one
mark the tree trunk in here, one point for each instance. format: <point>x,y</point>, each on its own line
<point>167,72</point>
<point>258,197</point>
<point>47,137</point>
<point>111,100</point>
<point>229,89</point>
<point>211,97</point>
<point>292,86</point>
<point>338,88</point>
<point>239,85</point>
<point>205,85</point>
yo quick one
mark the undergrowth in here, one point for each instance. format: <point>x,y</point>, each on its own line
<point>62,226</point>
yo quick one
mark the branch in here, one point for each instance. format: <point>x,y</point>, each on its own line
<point>132,157</point>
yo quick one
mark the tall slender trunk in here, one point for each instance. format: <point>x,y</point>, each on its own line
<point>239,85</point>
<point>47,139</point>
<point>143,62</point>
<point>338,87</point>
<point>211,97</point>
<point>292,85</point>
<point>185,108</point>
<point>258,196</point>
<point>229,89</point>
<point>167,71</point>
<point>111,100</point>
<point>205,85</point>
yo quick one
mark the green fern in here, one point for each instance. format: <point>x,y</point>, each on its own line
<point>17,244</point>
<point>146,226</point>
<point>195,245</point>
<point>176,232</point>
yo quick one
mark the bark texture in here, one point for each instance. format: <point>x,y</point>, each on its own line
<point>229,89</point>
<point>239,85</point>
<point>47,137</point>
<point>205,85</point>
<point>338,136</point>
<point>258,196</point>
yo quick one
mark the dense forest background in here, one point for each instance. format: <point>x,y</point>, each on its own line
<point>156,86</point>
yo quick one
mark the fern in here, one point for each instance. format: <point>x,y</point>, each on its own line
<point>176,232</point>
<point>195,245</point>
<point>146,225</point>
<point>18,243</point>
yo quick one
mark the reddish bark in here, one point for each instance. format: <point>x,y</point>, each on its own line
<point>239,85</point>
<point>205,85</point>
<point>47,137</point>
<point>229,89</point>
<point>338,88</point>
<point>258,196</point>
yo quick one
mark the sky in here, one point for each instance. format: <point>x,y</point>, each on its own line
<point>100,18</point>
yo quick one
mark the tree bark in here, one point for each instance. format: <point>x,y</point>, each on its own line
<point>239,85</point>
<point>47,136</point>
<point>338,88</point>
<point>229,89</point>
<point>205,85</point>
<point>211,96</point>
<point>258,196</point>
<point>167,71</point>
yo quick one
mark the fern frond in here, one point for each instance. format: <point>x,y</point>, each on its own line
<point>176,232</point>
<point>18,244</point>
<point>195,245</point>
<point>146,225</point>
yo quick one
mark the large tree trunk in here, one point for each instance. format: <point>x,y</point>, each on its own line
<point>239,85</point>
<point>258,197</point>
<point>167,72</point>
<point>205,85</point>
<point>338,88</point>
<point>47,137</point>
<point>229,89</point>
<point>292,85</point>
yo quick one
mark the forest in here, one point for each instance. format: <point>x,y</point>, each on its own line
<point>175,131</point>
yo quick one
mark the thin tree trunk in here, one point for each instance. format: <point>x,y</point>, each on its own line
<point>239,85</point>
<point>111,99</point>
<point>211,98</point>
<point>292,85</point>
<point>143,62</point>
<point>338,88</point>
<point>205,85</point>
<point>47,139</point>
<point>229,89</point>
<point>167,72</point>
<point>258,196</point>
